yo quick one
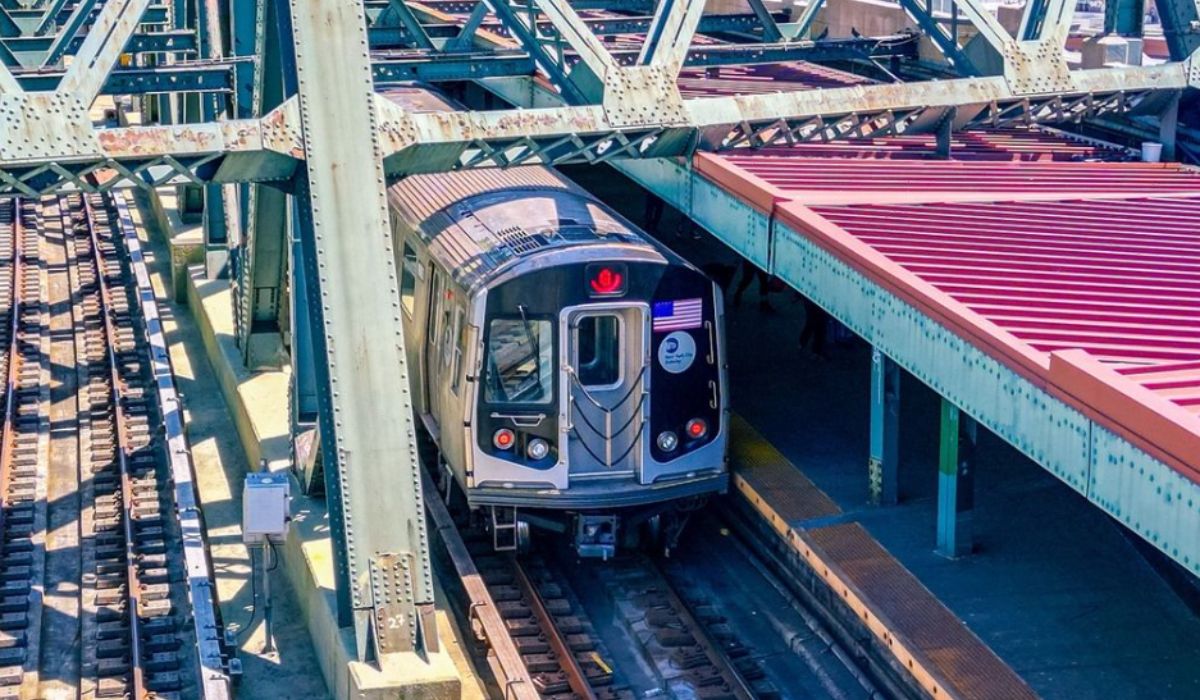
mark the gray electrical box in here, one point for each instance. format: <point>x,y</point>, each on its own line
<point>265,498</point>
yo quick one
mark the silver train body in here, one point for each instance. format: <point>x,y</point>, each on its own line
<point>569,368</point>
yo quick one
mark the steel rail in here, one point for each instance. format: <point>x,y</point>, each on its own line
<point>10,393</point>
<point>576,678</point>
<point>133,585</point>
<point>215,681</point>
<point>505,661</point>
<point>724,665</point>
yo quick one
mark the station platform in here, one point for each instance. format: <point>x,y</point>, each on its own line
<point>929,646</point>
<point>1059,591</point>
<point>1055,588</point>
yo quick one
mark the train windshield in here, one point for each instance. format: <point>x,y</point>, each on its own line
<point>520,362</point>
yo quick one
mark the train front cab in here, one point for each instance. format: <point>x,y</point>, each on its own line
<point>601,399</point>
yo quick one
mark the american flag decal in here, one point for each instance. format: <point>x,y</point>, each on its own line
<point>678,315</point>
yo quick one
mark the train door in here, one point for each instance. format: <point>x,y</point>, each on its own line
<point>606,382</point>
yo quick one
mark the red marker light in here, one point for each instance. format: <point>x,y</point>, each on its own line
<point>606,280</point>
<point>697,428</point>
<point>503,439</point>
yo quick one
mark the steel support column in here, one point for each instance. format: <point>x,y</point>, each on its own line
<point>260,277</point>
<point>1181,27</point>
<point>956,483</point>
<point>1168,128</point>
<point>373,486</point>
<point>883,467</point>
<point>304,408</point>
<point>1124,17</point>
<point>221,218</point>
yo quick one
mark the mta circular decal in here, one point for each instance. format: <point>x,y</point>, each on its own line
<point>677,352</point>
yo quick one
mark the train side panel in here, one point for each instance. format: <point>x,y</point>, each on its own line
<point>440,339</point>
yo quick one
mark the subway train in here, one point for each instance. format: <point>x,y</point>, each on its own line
<point>569,369</point>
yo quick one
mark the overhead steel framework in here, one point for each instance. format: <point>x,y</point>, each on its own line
<point>269,108</point>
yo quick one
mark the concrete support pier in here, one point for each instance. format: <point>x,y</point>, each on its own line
<point>257,403</point>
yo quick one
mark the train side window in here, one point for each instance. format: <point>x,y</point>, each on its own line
<point>408,279</point>
<point>460,346</point>
<point>598,350</point>
<point>447,334</point>
<point>520,362</point>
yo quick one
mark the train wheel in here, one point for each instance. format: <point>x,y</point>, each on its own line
<point>524,537</point>
<point>653,529</point>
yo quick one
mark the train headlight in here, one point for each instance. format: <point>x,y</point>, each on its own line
<point>503,439</point>
<point>667,441</point>
<point>537,449</point>
<point>696,428</point>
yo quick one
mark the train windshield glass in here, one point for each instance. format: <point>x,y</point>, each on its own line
<point>520,362</point>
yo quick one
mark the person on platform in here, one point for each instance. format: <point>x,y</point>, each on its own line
<point>750,271</point>
<point>816,326</point>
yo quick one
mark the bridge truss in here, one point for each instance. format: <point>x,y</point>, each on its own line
<point>267,112</point>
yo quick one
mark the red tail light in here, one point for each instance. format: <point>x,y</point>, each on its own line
<point>696,428</point>
<point>503,439</point>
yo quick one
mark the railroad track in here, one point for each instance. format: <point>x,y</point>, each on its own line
<point>690,643</point>
<point>552,633</point>
<point>539,639</point>
<point>23,450</point>
<point>102,594</point>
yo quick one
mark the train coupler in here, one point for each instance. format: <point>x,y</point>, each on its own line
<point>596,536</point>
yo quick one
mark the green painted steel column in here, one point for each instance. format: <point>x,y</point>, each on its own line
<point>883,468</point>
<point>1179,19</point>
<point>956,483</point>
<point>1124,17</point>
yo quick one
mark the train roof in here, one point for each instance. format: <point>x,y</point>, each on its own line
<point>479,223</point>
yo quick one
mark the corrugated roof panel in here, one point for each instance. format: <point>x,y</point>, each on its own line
<point>1104,276</point>
<point>1178,382</point>
<point>1064,260</point>
<point>796,172</point>
<point>1005,145</point>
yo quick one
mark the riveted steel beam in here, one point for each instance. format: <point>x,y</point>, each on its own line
<point>81,13</point>
<point>433,142</point>
<point>435,67</point>
<point>1181,29</point>
<point>50,18</point>
<point>259,284</point>
<point>465,39</point>
<point>58,15</point>
<point>34,50</point>
<point>367,432</point>
<point>671,32</point>
<point>387,37</point>
<point>100,49</point>
<point>946,43</point>
<point>398,13</point>
<point>194,76</point>
<point>766,20</point>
